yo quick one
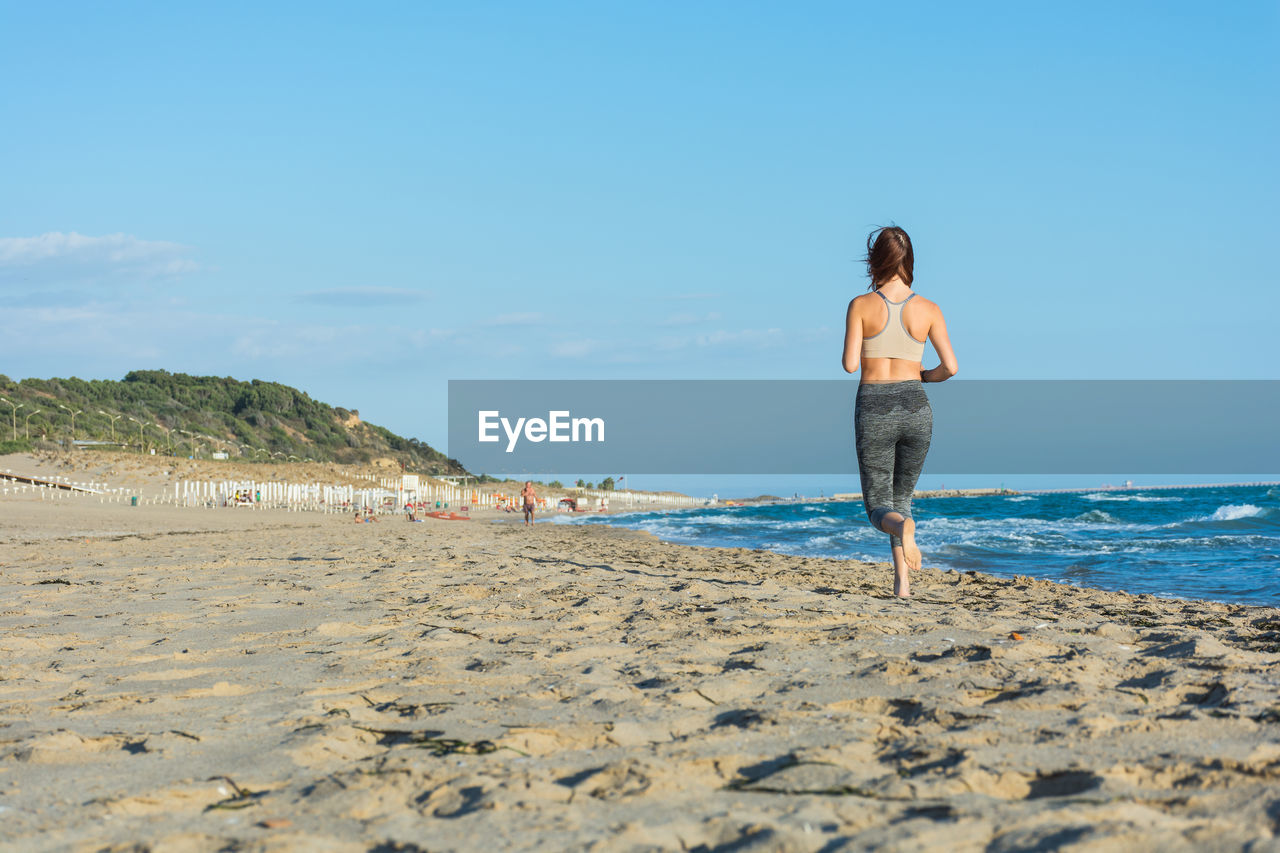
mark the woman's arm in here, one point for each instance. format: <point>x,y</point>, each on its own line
<point>942,345</point>
<point>852,340</point>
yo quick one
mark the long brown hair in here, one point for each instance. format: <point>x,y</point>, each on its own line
<point>888,254</point>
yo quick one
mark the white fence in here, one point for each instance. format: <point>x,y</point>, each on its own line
<point>384,494</point>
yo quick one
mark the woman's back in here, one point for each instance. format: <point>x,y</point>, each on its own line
<point>889,351</point>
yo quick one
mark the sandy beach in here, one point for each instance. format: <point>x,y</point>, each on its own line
<point>188,679</point>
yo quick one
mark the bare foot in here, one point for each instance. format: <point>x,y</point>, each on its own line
<point>901,584</point>
<point>910,551</point>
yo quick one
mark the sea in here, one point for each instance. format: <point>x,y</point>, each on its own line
<point>1217,543</point>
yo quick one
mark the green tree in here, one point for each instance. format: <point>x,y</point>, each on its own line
<point>264,416</point>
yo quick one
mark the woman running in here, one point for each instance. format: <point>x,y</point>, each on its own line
<point>884,334</point>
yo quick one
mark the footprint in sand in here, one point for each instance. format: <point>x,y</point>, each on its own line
<point>322,746</point>
<point>222,688</point>
<point>67,747</point>
<point>195,798</point>
<point>168,674</point>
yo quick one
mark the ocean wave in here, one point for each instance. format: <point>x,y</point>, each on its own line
<point>1228,517</point>
<point>1231,512</point>
<point>1193,543</point>
<point>716,520</point>
<point>806,523</point>
<point>1066,527</point>
<point>1192,547</point>
<point>1152,499</point>
<point>667,529</point>
<point>1216,544</point>
<point>1096,516</point>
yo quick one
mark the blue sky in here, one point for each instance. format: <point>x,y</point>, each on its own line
<point>367,201</point>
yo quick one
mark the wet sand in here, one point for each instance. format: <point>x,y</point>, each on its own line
<point>178,679</point>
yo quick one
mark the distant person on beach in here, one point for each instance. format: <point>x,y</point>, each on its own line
<point>885,332</point>
<point>530,498</point>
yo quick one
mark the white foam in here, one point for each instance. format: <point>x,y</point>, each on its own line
<point>816,523</point>
<point>1004,527</point>
<point>717,520</point>
<point>1095,516</point>
<point>1231,512</point>
<point>1153,499</point>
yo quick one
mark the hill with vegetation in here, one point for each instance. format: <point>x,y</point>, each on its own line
<point>183,415</point>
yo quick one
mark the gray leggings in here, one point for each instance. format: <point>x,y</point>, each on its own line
<point>892,424</point>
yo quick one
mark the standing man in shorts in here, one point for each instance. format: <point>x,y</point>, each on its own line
<point>530,498</point>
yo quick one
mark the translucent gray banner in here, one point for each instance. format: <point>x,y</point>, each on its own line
<point>806,426</point>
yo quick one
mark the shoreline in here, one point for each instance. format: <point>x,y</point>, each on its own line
<point>1117,576</point>
<point>276,679</point>
<point>158,475</point>
<point>168,520</point>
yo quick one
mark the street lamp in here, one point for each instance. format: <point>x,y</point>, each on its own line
<point>168,437</point>
<point>222,445</point>
<point>73,420</point>
<point>15,407</point>
<point>142,448</point>
<point>113,418</point>
<point>28,422</point>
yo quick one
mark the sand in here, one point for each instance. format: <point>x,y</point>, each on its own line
<point>198,680</point>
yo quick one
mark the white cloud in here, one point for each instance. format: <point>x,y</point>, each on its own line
<point>576,348</point>
<point>133,336</point>
<point>758,337</point>
<point>257,338</point>
<point>56,255</point>
<point>525,318</point>
<point>426,337</point>
<point>687,319</point>
<point>686,296</point>
<point>753,338</point>
<point>369,296</point>
<point>280,342</point>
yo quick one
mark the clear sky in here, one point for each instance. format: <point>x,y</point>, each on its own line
<point>366,200</point>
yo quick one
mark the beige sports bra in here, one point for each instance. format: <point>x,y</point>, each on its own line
<point>893,341</point>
